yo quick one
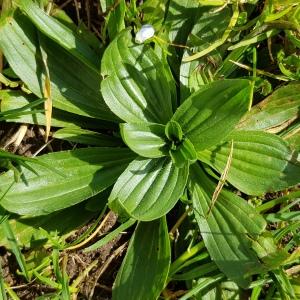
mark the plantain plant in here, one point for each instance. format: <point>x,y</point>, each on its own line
<point>162,143</point>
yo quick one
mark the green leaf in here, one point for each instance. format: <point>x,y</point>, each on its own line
<point>148,188</point>
<point>144,270</point>
<point>147,140</point>
<point>58,32</point>
<point>226,229</point>
<point>73,91</point>
<point>135,84</point>
<point>15,100</point>
<point>276,112</point>
<point>87,172</point>
<point>87,137</point>
<point>261,162</point>
<point>210,114</point>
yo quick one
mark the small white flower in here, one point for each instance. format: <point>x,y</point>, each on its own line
<point>146,32</point>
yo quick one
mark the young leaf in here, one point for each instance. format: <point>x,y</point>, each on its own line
<point>148,188</point>
<point>225,231</point>
<point>261,162</point>
<point>173,131</point>
<point>135,84</point>
<point>183,153</point>
<point>145,268</point>
<point>146,139</point>
<point>87,172</point>
<point>210,114</point>
<point>74,91</point>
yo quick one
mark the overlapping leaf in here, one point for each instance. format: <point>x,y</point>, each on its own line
<point>226,229</point>
<point>148,140</point>
<point>148,188</point>
<point>87,172</point>
<point>208,115</point>
<point>261,162</point>
<point>135,85</point>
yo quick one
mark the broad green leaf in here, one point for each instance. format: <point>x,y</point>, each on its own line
<point>212,112</point>
<point>88,137</point>
<point>74,85</point>
<point>14,100</point>
<point>147,140</point>
<point>135,84</point>
<point>261,162</point>
<point>31,231</point>
<point>144,270</point>
<point>87,172</point>
<point>209,27</point>
<point>60,33</point>
<point>148,188</point>
<point>276,112</point>
<point>226,229</point>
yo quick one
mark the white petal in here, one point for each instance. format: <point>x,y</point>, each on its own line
<point>146,32</point>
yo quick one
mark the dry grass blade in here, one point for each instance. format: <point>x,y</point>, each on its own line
<point>46,92</point>
<point>221,181</point>
<point>93,234</point>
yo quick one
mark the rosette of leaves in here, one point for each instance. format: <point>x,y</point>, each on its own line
<point>173,147</point>
<point>139,89</point>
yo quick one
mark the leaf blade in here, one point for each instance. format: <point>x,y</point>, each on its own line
<point>262,162</point>
<point>87,172</point>
<point>144,270</point>
<point>148,188</point>
<point>225,230</point>
<point>211,113</point>
<point>135,86</point>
